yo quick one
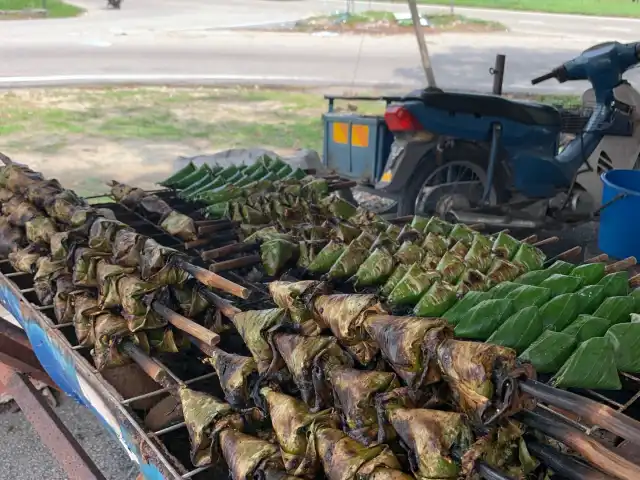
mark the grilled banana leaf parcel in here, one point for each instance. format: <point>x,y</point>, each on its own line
<point>437,300</point>
<point>484,319</point>
<point>354,394</point>
<point>236,374</point>
<point>109,330</point>
<point>466,303</point>
<point>346,316</point>
<point>435,244</point>
<point>559,284</point>
<point>451,267</point>
<point>344,458</point>
<point>19,211</point>
<point>63,307</point>
<point>529,257</point>
<point>409,253</point>
<point>409,345</point>
<point>519,331</point>
<point>310,360</point>
<point>472,280</point>
<point>47,271</point>
<point>349,260</point>
<point>40,230</point>
<point>549,352</point>
<point>462,233</point>
<point>376,269</point>
<point>108,276</point>
<point>615,284</point>
<point>325,259</point>
<point>412,286</point>
<point>297,298</point>
<point>156,264</point>
<point>255,327</point>
<point>204,415</point>
<point>475,372</point>
<point>26,259</point>
<point>502,270</point>
<point>625,338</point>
<point>85,310</point>
<point>587,326</point>
<point>479,255</point>
<point>293,424</point>
<point>10,238</point>
<point>179,225</point>
<point>430,437</point>
<point>276,254</point>
<point>18,178</point>
<point>560,311</point>
<point>394,279</point>
<point>616,309</point>
<point>535,277</point>
<point>502,290</point>
<point>592,365</point>
<point>505,246</point>
<point>438,226</point>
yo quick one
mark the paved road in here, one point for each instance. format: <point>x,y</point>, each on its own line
<point>190,41</point>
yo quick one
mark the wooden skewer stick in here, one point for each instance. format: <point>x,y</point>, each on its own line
<point>186,325</point>
<point>477,226</point>
<point>571,253</point>
<point>530,239</point>
<point>621,265</point>
<point>235,263</point>
<point>546,241</point>
<point>220,252</point>
<point>221,304</point>
<point>565,465</point>
<point>213,280</point>
<point>589,448</point>
<point>342,185</point>
<point>634,282</point>
<point>209,229</point>
<point>598,258</point>
<point>146,363</point>
<point>196,243</point>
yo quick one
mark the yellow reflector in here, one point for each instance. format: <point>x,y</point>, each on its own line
<point>360,135</point>
<point>386,176</point>
<point>340,132</point>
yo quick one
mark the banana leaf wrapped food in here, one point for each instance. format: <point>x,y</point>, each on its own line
<point>436,244</point>
<point>409,346</point>
<point>309,251</point>
<point>437,300</point>
<point>591,297</point>
<point>40,230</point>
<point>472,280</point>
<point>190,300</point>
<point>559,284</point>
<point>40,193</point>
<point>476,374</point>
<point>399,272</point>
<point>325,259</point>
<point>412,286</point>
<point>5,195</point>
<point>237,376</point>
<point>346,316</point>
<point>451,267</point>
<point>592,365</point>
<point>458,311</point>
<point>354,393</point>
<point>349,260</point>
<point>519,331</point>
<point>310,361</point>
<point>436,225</point>
<point>459,249</point>
<point>85,266</point>
<point>625,338</point>
<point>561,267</point>
<point>616,309</point>
<point>18,178</point>
<point>419,223</point>
<point>67,208</point>
<point>205,416</point>
<point>84,310</point>
<point>591,273</point>
<point>484,319</point>
<point>479,255</point>
<point>293,424</point>
<point>131,291</point>
<point>462,233</point>
<point>535,277</point>
<point>109,328</point>
<point>26,259</point>
<point>19,211</point>
<point>587,326</point>
<point>185,171</point>
<point>615,284</point>
<point>63,307</point>
<point>297,298</point>
<point>529,257</point>
<point>408,253</point>
<point>47,271</point>
<point>549,352</point>
<point>107,279</point>
<point>528,295</point>
<point>156,264</point>
<point>502,290</point>
<point>560,311</point>
<point>431,437</point>
<point>505,246</point>
<point>179,225</point>
<point>344,458</point>
<point>376,269</point>
<point>502,270</point>
<point>127,195</point>
<point>256,327</point>
<point>276,254</point>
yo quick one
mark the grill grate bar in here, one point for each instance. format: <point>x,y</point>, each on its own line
<point>15,274</point>
<point>193,473</point>
<point>570,421</point>
<point>62,325</point>
<point>164,390</point>
<point>172,428</point>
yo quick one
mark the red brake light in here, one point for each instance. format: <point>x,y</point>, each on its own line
<point>399,119</point>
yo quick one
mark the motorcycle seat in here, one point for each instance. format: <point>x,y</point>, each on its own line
<point>492,106</point>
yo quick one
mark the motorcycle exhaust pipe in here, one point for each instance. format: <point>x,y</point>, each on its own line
<point>493,220</point>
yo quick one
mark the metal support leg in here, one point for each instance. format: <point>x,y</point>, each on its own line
<point>53,433</point>
<point>496,135</point>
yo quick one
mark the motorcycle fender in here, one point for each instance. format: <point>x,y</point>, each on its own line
<point>404,158</point>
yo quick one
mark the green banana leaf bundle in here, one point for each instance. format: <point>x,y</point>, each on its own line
<point>458,311</point>
<point>431,437</point>
<point>346,316</point>
<point>438,226</point>
<point>528,295</point>
<point>408,345</point>
<point>293,424</point>
<point>412,286</point>
<point>327,257</point>
<point>173,180</point>
<point>519,331</point>
<point>502,270</point>
<point>278,253</point>
<point>237,376</point>
<point>561,267</point>
<point>591,297</point>
<point>462,233</point>
<point>309,251</point>
<point>344,458</point>
<point>297,298</point>
<point>615,284</point>
<point>349,260</point>
<point>393,280</point>
<point>310,361</point>
<point>625,338</point>
<point>451,267</point>
<point>189,300</point>
<point>47,271</point>
<point>256,328</point>
<point>616,309</point>
<point>535,277</point>
<point>437,300</point>
<point>205,416</point>
<point>484,319</point>
<point>529,257</point>
<point>40,230</point>
<point>550,351</point>
<point>591,273</point>
<point>435,244</point>
<point>354,394</point>
<point>559,284</point>
<point>472,280</point>
<point>505,246</point>
<point>408,253</point>
<point>560,311</point>
<point>587,326</point>
<point>592,365</point>
<point>26,259</point>
<point>503,290</point>
<point>376,269</point>
<point>460,249</point>
<point>479,255</point>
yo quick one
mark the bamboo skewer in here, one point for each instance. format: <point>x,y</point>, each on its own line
<point>186,325</point>
<point>235,263</point>
<point>598,258</point>
<point>591,411</point>
<point>213,280</point>
<point>489,473</point>
<point>546,241</point>
<point>568,467</point>
<point>621,265</point>
<point>146,363</point>
<point>210,255</point>
<point>593,451</point>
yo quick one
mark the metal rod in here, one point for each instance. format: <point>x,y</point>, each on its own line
<point>593,451</point>
<point>566,466</point>
<point>172,428</point>
<point>498,74</point>
<point>186,325</point>
<point>422,44</point>
<point>167,389</point>
<point>590,410</point>
<point>53,433</point>
<point>193,473</point>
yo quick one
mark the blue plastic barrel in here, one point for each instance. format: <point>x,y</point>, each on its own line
<point>619,235</point>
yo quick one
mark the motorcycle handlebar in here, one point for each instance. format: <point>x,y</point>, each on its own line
<point>543,78</point>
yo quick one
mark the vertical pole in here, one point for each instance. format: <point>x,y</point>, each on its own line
<point>422,44</point>
<point>498,74</point>
<point>452,7</point>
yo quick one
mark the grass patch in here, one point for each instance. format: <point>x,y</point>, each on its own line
<point>619,8</point>
<point>382,22</point>
<point>23,9</point>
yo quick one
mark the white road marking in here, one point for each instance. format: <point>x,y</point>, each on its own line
<point>614,29</point>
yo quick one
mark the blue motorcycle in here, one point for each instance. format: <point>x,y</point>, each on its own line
<point>485,157</point>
